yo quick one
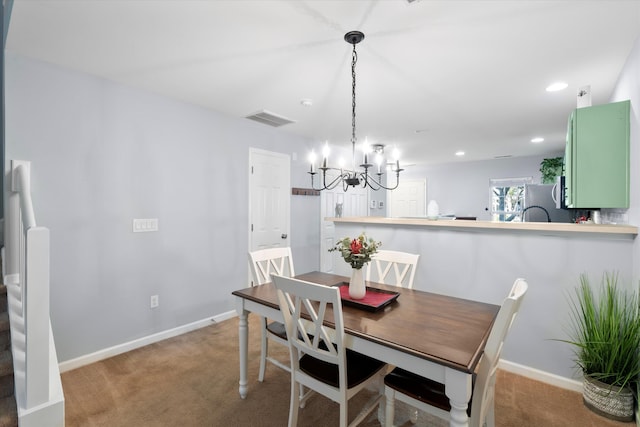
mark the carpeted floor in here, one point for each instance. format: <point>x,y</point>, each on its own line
<point>192,380</point>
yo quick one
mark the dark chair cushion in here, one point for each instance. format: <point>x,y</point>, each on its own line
<point>419,388</point>
<point>277,328</point>
<point>359,368</point>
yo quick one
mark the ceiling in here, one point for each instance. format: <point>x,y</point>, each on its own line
<point>433,77</point>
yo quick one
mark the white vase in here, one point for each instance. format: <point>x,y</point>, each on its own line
<point>357,288</point>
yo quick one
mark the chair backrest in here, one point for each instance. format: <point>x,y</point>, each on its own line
<point>265,262</point>
<point>483,390</point>
<point>393,268</point>
<point>305,306</point>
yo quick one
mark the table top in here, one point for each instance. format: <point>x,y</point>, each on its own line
<point>446,330</point>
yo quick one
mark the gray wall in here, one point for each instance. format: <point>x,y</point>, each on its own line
<point>103,154</point>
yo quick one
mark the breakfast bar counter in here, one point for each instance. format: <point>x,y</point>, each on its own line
<point>534,227</point>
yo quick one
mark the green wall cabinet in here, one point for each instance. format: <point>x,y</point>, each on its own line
<point>597,157</point>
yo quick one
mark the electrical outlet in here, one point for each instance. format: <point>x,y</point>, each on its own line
<point>155,301</point>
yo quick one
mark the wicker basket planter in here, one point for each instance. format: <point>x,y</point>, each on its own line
<point>609,401</point>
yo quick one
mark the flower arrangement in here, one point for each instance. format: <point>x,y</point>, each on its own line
<point>357,252</point>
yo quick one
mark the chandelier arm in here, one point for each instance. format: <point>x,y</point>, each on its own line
<point>376,184</point>
<point>333,184</point>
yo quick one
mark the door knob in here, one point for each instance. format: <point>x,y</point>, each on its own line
<point>284,236</point>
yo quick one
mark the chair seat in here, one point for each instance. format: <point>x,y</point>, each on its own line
<point>278,329</point>
<point>419,388</point>
<point>359,369</point>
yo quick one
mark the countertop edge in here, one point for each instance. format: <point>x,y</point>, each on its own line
<point>547,227</point>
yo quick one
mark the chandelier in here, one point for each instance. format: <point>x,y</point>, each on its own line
<point>365,177</point>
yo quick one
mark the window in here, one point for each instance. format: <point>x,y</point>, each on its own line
<point>507,198</point>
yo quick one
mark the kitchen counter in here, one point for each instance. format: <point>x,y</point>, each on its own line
<point>545,228</point>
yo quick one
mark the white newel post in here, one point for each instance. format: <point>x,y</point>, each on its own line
<point>37,316</point>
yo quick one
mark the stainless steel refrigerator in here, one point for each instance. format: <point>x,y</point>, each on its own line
<point>543,195</point>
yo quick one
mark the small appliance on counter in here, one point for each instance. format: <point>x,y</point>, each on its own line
<point>542,204</point>
<point>433,211</point>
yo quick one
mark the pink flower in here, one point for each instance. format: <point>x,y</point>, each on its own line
<point>356,245</point>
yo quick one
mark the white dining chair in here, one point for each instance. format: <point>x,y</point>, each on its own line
<point>319,358</point>
<point>264,262</point>
<point>429,396</point>
<point>393,268</point>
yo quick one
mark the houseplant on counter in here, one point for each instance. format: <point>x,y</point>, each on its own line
<point>605,330</point>
<point>357,252</point>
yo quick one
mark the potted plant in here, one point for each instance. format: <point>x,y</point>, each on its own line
<point>605,330</point>
<point>550,169</point>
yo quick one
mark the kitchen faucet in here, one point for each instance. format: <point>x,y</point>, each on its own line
<point>535,206</point>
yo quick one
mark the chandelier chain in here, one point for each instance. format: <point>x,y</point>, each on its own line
<point>354,59</point>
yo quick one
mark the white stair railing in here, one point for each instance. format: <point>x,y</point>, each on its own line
<point>39,396</point>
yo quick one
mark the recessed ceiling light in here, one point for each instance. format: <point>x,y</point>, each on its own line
<point>554,87</point>
<point>537,139</point>
<point>459,153</point>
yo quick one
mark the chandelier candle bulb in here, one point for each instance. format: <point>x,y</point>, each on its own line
<point>312,160</point>
<point>325,155</point>
<point>368,149</point>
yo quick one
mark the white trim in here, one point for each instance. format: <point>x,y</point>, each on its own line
<point>515,368</point>
<point>141,342</point>
<point>538,375</point>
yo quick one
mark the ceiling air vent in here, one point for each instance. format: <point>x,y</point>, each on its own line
<point>271,119</point>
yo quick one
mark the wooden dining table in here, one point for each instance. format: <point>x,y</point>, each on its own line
<point>436,336</point>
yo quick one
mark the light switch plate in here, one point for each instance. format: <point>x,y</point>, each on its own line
<point>145,225</point>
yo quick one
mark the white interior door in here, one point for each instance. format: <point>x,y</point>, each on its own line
<point>269,199</point>
<point>409,199</point>
<point>353,202</point>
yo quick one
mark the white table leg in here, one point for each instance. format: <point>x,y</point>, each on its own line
<point>458,390</point>
<point>243,334</point>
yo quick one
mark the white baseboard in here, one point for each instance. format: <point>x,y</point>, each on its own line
<point>542,376</point>
<point>141,342</point>
<point>515,368</point>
